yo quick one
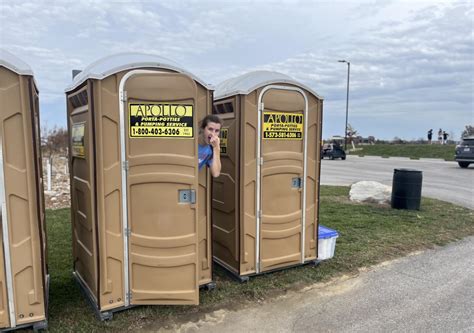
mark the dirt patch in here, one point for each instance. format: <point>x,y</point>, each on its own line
<point>58,196</point>
<point>195,317</point>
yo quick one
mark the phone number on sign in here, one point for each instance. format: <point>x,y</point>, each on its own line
<point>282,135</point>
<point>158,131</point>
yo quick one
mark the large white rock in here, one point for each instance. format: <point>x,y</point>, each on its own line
<point>370,191</point>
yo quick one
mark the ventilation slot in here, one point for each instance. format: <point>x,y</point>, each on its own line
<point>223,108</point>
<point>79,99</point>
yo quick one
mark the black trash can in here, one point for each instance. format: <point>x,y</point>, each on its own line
<point>406,189</point>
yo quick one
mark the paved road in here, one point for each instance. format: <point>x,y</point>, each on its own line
<point>429,292</point>
<point>441,180</point>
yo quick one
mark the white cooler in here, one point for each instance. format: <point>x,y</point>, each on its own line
<point>326,242</point>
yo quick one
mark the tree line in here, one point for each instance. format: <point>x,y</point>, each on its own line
<point>55,140</point>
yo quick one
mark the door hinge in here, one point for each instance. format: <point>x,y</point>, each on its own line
<point>127,232</point>
<point>129,296</point>
<point>261,107</point>
<point>260,160</point>
<point>259,214</point>
<point>125,165</point>
<point>123,96</point>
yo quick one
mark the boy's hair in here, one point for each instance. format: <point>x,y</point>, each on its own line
<point>210,118</point>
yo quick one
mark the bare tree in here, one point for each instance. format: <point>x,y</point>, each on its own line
<point>54,141</point>
<point>469,130</point>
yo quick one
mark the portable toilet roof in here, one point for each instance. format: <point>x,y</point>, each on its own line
<point>115,63</point>
<point>14,63</point>
<point>246,83</point>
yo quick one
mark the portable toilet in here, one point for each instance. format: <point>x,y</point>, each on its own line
<point>24,276</point>
<point>265,204</point>
<point>139,206</point>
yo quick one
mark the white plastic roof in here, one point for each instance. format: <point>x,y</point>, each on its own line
<point>110,65</point>
<point>246,83</point>
<point>14,63</point>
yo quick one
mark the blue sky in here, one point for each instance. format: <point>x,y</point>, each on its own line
<point>412,62</point>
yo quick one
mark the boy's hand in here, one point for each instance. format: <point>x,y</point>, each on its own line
<point>215,142</point>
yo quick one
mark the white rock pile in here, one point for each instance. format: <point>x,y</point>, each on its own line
<point>370,191</point>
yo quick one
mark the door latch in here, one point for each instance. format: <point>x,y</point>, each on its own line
<point>297,182</point>
<point>187,196</point>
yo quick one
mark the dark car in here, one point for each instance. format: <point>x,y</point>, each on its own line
<point>465,152</point>
<point>333,151</point>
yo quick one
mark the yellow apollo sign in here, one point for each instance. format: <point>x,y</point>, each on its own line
<point>282,126</point>
<point>78,140</point>
<point>223,136</point>
<point>164,120</point>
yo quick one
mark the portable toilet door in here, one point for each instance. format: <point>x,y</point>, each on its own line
<point>281,176</point>
<point>23,271</point>
<point>161,178</point>
<point>137,131</point>
<point>265,203</point>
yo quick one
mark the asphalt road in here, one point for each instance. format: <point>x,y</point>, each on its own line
<point>428,292</point>
<point>441,180</point>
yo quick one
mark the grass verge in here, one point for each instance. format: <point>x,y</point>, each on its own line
<point>369,234</point>
<point>413,151</point>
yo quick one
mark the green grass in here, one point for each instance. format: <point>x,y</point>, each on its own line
<point>414,151</point>
<point>369,234</point>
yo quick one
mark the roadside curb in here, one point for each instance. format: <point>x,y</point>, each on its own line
<point>399,158</point>
<point>426,159</point>
<point>365,156</point>
<point>434,159</point>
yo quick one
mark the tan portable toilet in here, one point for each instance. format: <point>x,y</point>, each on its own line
<point>139,207</point>
<point>265,203</point>
<point>24,275</point>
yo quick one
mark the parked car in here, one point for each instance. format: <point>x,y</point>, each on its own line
<point>465,152</point>
<point>333,151</point>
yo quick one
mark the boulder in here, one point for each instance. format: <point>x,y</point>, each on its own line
<point>370,191</point>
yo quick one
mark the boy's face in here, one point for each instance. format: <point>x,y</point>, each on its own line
<point>210,131</point>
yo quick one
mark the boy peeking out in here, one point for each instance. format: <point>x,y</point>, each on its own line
<point>209,144</point>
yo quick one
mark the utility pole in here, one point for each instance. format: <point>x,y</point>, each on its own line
<point>347,100</point>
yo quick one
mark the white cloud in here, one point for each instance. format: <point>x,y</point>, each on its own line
<point>420,69</point>
<point>409,59</point>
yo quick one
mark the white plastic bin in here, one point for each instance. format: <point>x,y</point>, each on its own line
<point>326,242</point>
